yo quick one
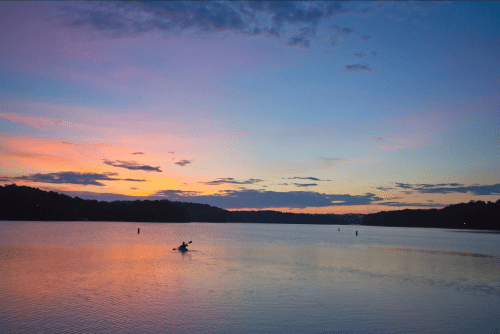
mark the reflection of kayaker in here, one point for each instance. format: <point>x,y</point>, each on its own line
<point>183,247</point>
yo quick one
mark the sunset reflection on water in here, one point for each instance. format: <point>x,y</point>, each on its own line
<point>104,277</point>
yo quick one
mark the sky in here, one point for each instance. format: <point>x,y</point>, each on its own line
<point>307,107</point>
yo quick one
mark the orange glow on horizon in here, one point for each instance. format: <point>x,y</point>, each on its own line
<point>338,210</point>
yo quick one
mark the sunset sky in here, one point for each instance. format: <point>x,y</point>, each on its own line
<point>316,107</point>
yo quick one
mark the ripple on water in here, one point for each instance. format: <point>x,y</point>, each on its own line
<point>128,283</point>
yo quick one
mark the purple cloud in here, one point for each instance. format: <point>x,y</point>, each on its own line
<point>132,165</point>
<point>72,178</point>
<point>230,180</point>
<point>305,184</point>
<point>447,188</point>
<point>183,163</point>
<point>493,189</point>
<point>304,178</point>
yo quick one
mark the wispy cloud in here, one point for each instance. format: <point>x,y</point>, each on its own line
<point>404,185</point>
<point>358,68</point>
<point>239,17</point>
<point>364,38</point>
<point>177,194</point>
<point>446,188</point>
<point>423,205</point>
<point>40,123</point>
<point>384,188</point>
<point>138,153</point>
<point>183,163</point>
<point>493,189</point>
<point>71,178</point>
<point>305,184</point>
<point>230,180</point>
<point>299,41</point>
<point>132,165</point>
<point>340,30</point>
<point>373,53</point>
<point>358,54</point>
<point>303,178</point>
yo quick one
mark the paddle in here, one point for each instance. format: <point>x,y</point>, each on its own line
<point>184,246</point>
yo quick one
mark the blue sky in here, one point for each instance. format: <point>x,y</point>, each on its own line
<point>291,106</point>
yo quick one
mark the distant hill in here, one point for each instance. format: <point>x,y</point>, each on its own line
<point>473,215</point>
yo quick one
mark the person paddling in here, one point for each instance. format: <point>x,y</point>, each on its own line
<point>183,247</point>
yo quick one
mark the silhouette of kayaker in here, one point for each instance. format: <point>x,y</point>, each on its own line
<point>183,247</point>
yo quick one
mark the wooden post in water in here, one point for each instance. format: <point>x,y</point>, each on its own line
<point>138,230</point>
<point>356,233</point>
<point>339,229</point>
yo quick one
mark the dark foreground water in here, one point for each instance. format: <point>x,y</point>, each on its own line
<point>88,277</point>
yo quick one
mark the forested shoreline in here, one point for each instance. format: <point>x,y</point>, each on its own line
<point>473,215</point>
<point>27,203</point>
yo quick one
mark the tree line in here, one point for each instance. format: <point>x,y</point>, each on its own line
<point>276,217</point>
<point>473,215</point>
<point>26,203</point>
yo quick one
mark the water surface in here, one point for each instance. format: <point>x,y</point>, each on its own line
<point>77,277</point>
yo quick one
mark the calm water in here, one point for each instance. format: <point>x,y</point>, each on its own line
<point>76,277</point>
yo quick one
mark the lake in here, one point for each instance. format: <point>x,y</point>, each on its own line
<point>81,277</point>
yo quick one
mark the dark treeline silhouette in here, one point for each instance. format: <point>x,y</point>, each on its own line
<point>473,215</point>
<point>204,212</point>
<point>276,217</point>
<point>26,203</point>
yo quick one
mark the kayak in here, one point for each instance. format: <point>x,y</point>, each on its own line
<point>183,247</point>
